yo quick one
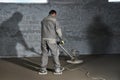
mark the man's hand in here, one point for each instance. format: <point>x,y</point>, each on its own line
<point>62,42</point>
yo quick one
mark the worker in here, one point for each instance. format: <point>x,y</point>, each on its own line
<point>50,31</point>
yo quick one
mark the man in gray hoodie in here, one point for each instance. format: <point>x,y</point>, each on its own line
<point>50,30</point>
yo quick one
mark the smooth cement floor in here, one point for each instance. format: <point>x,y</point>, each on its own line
<point>100,67</point>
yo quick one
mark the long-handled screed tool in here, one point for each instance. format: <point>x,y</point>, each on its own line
<point>73,59</point>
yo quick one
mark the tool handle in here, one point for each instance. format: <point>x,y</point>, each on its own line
<point>66,51</point>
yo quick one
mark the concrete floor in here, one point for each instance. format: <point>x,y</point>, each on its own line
<point>102,67</point>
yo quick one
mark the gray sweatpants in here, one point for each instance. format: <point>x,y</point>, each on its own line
<point>46,46</point>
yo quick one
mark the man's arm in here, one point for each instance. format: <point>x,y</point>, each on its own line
<point>59,33</point>
<point>58,30</point>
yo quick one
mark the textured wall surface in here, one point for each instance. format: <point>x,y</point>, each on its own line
<point>89,26</point>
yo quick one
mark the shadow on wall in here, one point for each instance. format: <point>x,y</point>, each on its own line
<point>10,35</point>
<point>99,36</point>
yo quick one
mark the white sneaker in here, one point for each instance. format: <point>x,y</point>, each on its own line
<point>42,72</point>
<point>58,71</point>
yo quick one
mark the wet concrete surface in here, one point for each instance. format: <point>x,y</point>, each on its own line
<point>94,67</point>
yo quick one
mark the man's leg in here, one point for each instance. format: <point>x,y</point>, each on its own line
<point>44,58</point>
<point>55,52</point>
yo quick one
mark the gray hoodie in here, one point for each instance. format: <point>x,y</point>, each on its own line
<point>50,28</point>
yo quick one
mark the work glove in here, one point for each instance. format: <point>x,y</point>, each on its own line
<point>62,42</point>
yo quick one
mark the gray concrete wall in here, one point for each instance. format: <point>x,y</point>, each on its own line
<point>89,26</point>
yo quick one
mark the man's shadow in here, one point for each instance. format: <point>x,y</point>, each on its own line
<point>99,36</point>
<point>10,35</point>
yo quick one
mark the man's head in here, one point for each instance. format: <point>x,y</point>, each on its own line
<point>53,13</point>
